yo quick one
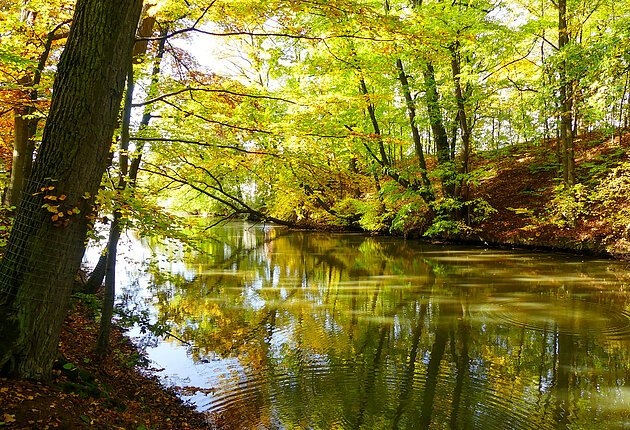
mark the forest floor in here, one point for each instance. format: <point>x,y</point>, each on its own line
<point>520,183</point>
<point>88,393</point>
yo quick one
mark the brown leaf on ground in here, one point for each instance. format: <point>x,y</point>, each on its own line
<point>92,393</point>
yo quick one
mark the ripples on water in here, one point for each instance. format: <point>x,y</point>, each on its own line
<point>332,331</point>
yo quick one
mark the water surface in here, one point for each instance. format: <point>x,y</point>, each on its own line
<point>304,330</point>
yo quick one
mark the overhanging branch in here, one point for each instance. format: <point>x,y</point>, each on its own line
<point>209,90</point>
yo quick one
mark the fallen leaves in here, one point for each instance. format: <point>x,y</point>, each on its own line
<point>8,418</point>
<point>126,399</point>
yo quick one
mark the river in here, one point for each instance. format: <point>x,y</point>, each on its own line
<point>308,330</point>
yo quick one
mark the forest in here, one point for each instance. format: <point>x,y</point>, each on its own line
<point>365,115</point>
<point>498,122</point>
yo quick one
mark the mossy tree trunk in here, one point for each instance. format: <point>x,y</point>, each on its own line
<point>47,243</point>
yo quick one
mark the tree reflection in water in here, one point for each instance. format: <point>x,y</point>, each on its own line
<point>320,330</point>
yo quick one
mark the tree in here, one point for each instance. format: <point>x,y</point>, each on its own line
<point>32,32</point>
<point>48,238</point>
<point>566,101</point>
<point>127,175</point>
<point>27,112</point>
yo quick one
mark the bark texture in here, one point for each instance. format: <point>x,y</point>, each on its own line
<point>45,248</point>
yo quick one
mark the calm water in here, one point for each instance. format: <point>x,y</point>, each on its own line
<point>302,330</point>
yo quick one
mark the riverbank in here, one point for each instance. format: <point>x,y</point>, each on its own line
<point>85,392</point>
<point>533,210</point>
<point>517,198</point>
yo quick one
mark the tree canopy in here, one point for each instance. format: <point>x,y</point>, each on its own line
<point>356,113</point>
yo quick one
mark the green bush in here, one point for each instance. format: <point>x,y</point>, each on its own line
<point>454,217</point>
<point>568,205</point>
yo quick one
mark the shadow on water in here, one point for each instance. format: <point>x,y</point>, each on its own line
<point>309,330</point>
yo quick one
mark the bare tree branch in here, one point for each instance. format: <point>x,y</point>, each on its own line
<point>212,121</point>
<point>244,209</point>
<point>209,90</point>
<point>210,145</point>
<point>264,34</point>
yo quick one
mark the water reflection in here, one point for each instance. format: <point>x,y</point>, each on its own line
<point>301,330</point>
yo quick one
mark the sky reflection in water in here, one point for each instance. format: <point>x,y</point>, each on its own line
<point>303,330</point>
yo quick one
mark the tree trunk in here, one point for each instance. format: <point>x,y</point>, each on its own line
<point>98,274</point>
<point>426,190</point>
<point>415,133</point>
<point>45,247</point>
<point>437,126</point>
<point>384,161</point>
<point>462,117</point>
<point>566,101</point>
<point>377,131</point>
<point>23,133</point>
<point>131,167</point>
<point>623,97</point>
<point>148,110</point>
<point>95,280</point>
<point>107,310</point>
<point>25,126</point>
<point>102,342</point>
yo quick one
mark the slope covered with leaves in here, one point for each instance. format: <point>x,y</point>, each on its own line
<point>534,209</point>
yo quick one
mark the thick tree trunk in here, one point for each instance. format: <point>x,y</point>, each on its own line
<point>45,247</point>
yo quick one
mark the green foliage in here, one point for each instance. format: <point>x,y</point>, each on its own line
<point>611,194</point>
<point>17,61</point>
<point>548,166</point>
<point>292,134</point>
<point>445,227</point>
<point>444,222</point>
<point>568,205</point>
<point>593,171</point>
<point>92,303</point>
<point>454,217</point>
<point>410,217</point>
<point>479,210</point>
<point>371,212</point>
